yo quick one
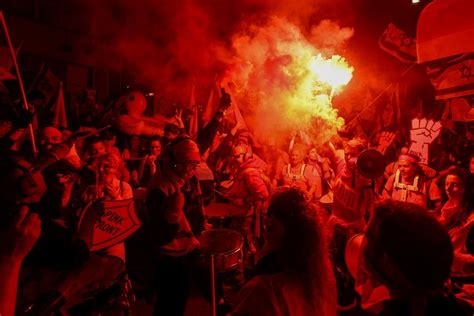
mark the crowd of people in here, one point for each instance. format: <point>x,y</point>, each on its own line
<point>320,236</point>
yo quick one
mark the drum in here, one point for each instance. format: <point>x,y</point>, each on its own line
<point>218,213</point>
<point>225,245</point>
<point>92,280</point>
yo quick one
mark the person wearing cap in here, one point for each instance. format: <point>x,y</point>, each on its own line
<point>173,221</point>
<point>402,263</point>
<point>410,184</point>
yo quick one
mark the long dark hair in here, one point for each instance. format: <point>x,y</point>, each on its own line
<point>304,250</point>
<point>467,181</point>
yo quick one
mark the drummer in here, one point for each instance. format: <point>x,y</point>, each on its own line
<point>174,220</point>
<point>250,188</point>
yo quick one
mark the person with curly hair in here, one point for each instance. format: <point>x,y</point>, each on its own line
<point>294,275</point>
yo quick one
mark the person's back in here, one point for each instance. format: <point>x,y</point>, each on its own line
<point>410,253</point>
<point>438,305</point>
<point>275,295</point>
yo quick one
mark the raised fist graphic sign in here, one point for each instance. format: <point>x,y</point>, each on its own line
<point>423,133</point>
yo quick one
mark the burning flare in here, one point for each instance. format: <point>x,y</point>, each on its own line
<point>334,71</point>
<point>284,84</point>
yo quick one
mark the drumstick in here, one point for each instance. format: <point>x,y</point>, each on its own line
<point>92,133</point>
<point>329,184</point>
<point>218,192</point>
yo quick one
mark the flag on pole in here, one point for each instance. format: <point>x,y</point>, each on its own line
<point>212,103</point>
<point>194,122</point>
<point>398,44</point>
<point>59,109</point>
<point>239,119</point>
<point>6,63</point>
<point>44,88</point>
<point>454,78</point>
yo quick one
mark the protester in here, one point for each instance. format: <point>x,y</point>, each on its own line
<point>250,188</point>
<point>17,239</point>
<point>110,188</point>
<point>457,216</point>
<point>410,184</point>
<point>174,220</point>
<point>300,175</point>
<point>413,266</point>
<point>323,184</point>
<point>95,148</point>
<point>149,163</point>
<point>353,194</point>
<point>291,280</point>
<point>48,137</point>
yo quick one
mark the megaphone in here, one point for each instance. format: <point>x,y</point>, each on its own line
<point>371,163</point>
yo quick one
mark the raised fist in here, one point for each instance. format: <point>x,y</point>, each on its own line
<point>385,141</point>
<point>423,133</point>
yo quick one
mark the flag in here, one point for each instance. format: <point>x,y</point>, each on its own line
<point>59,109</point>
<point>239,119</point>
<point>398,44</point>
<point>194,122</point>
<point>44,88</point>
<point>453,79</point>
<point>212,103</point>
<point>6,63</point>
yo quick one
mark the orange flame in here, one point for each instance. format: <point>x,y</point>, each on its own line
<point>334,71</point>
<point>285,84</point>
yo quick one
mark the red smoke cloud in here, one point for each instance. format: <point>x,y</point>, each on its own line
<point>169,45</point>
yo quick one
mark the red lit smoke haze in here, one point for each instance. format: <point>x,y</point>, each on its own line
<point>171,45</point>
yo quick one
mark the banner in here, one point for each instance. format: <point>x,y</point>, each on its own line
<point>106,223</point>
<point>423,133</point>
